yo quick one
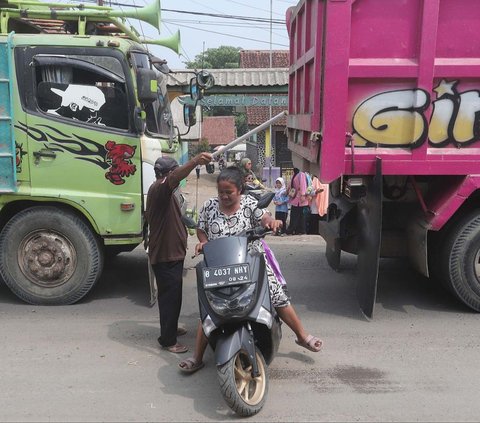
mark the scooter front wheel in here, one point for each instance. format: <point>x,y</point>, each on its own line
<point>244,393</point>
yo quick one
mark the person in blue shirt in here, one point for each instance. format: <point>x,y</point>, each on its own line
<point>281,203</point>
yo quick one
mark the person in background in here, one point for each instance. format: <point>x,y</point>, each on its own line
<point>249,182</point>
<point>298,201</point>
<point>246,168</point>
<point>197,170</point>
<point>318,204</point>
<point>281,204</point>
<point>230,214</point>
<point>306,209</point>
<point>167,244</point>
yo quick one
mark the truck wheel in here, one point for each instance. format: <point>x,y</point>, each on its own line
<point>461,260</point>
<point>49,256</point>
<point>244,394</point>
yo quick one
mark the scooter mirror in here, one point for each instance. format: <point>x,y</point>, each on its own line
<point>265,200</point>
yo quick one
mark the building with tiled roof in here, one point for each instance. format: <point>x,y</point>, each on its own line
<point>218,129</point>
<point>261,59</point>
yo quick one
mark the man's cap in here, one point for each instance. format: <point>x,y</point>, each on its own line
<point>165,164</point>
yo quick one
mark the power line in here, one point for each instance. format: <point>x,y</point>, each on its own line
<point>215,15</point>
<point>231,35</point>
<point>228,25</point>
<point>218,15</point>
<point>253,7</point>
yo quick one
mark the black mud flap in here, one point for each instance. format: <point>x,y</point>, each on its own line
<point>370,228</point>
<point>332,253</point>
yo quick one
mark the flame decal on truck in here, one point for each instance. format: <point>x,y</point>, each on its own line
<point>112,156</point>
<point>398,118</point>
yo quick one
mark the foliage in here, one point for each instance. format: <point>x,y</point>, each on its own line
<point>241,123</point>
<point>203,146</point>
<point>223,57</point>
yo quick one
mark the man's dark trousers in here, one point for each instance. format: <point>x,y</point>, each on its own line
<point>169,276</point>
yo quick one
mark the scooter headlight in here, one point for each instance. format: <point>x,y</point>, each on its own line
<point>226,304</point>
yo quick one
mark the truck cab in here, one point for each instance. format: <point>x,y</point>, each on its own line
<point>84,114</point>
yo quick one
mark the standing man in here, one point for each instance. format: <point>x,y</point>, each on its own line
<point>167,243</point>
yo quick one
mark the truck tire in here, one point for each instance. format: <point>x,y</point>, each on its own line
<point>49,256</point>
<point>461,260</point>
<point>244,394</point>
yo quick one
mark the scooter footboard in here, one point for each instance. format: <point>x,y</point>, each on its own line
<point>227,346</point>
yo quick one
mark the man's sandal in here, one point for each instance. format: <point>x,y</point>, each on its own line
<point>176,349</point>
<point>311,343</point>
<point>181,331</point>
<point>190,366</point>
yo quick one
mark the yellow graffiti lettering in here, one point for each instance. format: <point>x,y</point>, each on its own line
<point>441,116</point>
<point>393,118</point>
<point>463,129</point>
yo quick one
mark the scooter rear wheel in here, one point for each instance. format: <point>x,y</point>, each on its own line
<point>244,394</point>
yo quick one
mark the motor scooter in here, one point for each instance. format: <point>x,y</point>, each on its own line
<point>221,163</point>
<point>238,317</point>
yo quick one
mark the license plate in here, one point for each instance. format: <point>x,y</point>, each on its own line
<point>218,277</point>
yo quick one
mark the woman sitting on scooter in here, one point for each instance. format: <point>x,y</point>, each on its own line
<point>230,214</point>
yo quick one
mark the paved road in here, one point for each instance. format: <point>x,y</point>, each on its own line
<point>99,360</point>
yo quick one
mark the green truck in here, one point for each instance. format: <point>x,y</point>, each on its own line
<point>84,113</point>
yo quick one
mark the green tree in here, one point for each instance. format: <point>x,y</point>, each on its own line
<point>241,123</point>
<point>202,146</point>
<point>223,57</point>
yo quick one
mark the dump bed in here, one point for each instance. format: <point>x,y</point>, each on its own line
<point>398,80</point>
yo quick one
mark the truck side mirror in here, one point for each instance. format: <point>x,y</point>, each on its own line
<point>146,85</point>
<point>265,200</point>
<point>202,81</point>
<point>189,116</point>
<point>205,80</point>
<point>195,91</point>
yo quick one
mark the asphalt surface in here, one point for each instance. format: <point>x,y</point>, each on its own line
<point>99,360</point>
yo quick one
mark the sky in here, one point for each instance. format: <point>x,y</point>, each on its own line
<point>201,32</point>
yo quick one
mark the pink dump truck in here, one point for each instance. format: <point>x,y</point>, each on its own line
<point>384,104</point>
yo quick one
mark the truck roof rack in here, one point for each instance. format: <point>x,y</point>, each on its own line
<point>33,16</point>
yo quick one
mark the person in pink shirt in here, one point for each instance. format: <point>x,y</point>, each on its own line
<point>298,202</point>
<point>318,204</point>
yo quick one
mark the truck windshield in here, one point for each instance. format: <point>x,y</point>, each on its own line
<point>159,122</point>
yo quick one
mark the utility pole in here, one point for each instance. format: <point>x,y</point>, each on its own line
<point>269,133</point>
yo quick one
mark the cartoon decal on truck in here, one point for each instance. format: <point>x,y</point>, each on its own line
<point>397,118</point>
<point>118,157</point>
<point>80,102</point>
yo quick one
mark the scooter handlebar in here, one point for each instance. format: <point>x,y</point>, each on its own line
<point>257,233</point>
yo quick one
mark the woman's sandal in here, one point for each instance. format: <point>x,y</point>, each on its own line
<point>190,365</point>
<point>311,343</point>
